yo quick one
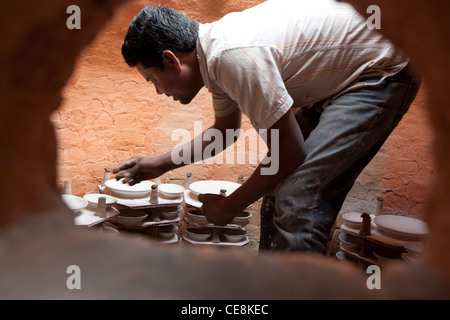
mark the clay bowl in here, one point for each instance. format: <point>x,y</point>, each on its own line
<point>167,231</point>
<point>234,235</point>
<point>171,190</point>
<point>92,199</point>
<point>242,218</point>
<point>342,256</point>
<point>197,217</point>
<point>353,219</point>
<point>124,190</point>
<point>130,217</point>
<point>170,213</point>
<point>199,234</point>
<point>350,242</point>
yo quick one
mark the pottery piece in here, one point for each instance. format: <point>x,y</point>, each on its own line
<point>402,228</point>
<point>234,235</point>
<point>120,189</point>
<point>199,234</point>
<point>92,199</point>
<point>130,217</point>
<point>74,203</point>
<point>171,190</point>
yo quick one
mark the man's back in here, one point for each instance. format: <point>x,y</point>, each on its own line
<point>314,49</point>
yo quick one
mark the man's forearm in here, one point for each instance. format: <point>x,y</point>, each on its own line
<point>286,152</point>
<point>257,185</point>
<point>194,150</point>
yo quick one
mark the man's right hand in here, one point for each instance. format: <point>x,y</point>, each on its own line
<point>138,169</point>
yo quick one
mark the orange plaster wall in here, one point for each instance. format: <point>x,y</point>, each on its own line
<point>110,114</point>
<point>408,162</point>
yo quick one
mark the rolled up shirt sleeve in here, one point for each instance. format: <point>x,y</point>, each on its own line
<point>250,78</point>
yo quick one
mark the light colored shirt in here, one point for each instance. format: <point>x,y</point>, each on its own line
<point>289,53</point>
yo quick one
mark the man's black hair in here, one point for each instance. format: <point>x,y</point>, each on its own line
<point>155,29</point>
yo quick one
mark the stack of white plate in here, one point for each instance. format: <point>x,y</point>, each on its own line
<point>402,228</point>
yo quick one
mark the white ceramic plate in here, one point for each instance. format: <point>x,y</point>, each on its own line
<point>353,219</point>
<point>213,186</point>
<point>171,190</point>
<point>74,203</point>
<point>92,198</point>
<point>400,227</point>
<point>192,199</point>
<point>130,217</point>
<point>234,235</point>
<point>120,189</point>
<point>198,234</point>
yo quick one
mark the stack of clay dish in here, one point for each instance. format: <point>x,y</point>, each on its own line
<point>385,239</point>
<point>160,203</point>
<point>194,218</point>
<point>349,242</point>
<point>139,222</point>
<point>86,211</point>
<point>231,234</point>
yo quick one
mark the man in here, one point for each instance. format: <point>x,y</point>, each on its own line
<point>312,72</point>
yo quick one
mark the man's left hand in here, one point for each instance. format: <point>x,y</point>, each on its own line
<point>215,209</point>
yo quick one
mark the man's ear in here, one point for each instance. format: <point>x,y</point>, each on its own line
<point>171,60</point>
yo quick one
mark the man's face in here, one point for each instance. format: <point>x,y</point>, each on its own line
<point>173,80</point>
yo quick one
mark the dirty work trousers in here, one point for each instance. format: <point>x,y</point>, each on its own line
<point>340,141</point>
